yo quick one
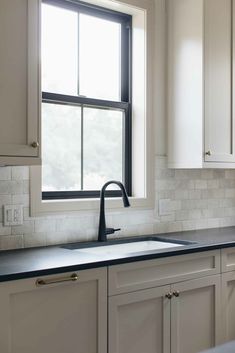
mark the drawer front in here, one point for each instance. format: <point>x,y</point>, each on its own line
<point>151,273</point>
<point>228,259</point>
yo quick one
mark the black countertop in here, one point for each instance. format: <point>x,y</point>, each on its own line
<point>32,262</point>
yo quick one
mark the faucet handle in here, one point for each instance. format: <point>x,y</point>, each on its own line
<point>111,230</point>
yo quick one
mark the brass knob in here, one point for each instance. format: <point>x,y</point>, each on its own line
<point>176,293</point>
<point>35,144</point>
<point>208,153</point>
<point>168,295</point>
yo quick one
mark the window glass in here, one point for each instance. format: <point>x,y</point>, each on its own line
<point>99,58</point>
<point>59,50</point>
<point>103,131</point>
<point>83,60</point>
<point>61,147</point>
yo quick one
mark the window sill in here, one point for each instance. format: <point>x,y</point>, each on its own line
<point>49,207</point>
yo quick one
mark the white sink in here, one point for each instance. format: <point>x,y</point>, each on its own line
<point>128,248</point>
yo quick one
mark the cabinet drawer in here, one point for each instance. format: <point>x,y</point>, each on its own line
<point>228,259</point>
<point>55,314</point>
<point>146,274</point>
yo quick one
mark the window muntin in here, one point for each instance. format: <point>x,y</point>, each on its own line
<point>71,173</point>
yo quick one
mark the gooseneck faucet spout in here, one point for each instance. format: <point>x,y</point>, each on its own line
<point>103,231</point>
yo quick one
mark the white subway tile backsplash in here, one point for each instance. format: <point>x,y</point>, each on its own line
<point>20,199</point>
<point>194,194</point>
<point>45,225</point>
<point>213,194</point>
<point>26,228</point>
<point>213,184</point>
<point>213,222</point>
<point>207,174</point>
<point>164,207</point>
<point>4,230</point>
<point>11,242</point>
<point>181,215</point>
<point>34,239</point>
<point>20,173</point>
<point>182,194</point>
<point>230,174</point>
<point>230,193</point>
<point>195,214</point>
<point>200,184</point>
<point>196,199</point>
<point>26,186</point>
<point>5,199</point>
<point>5,173</point>
<point>219,173</point>
<point>227,222</point>
<point>56,238</point>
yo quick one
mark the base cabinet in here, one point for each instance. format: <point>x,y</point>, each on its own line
<point>228,305</point>
<point>67,316</point>
<point>196,315</point>
<point>181,318</point>
<point>140,322</point>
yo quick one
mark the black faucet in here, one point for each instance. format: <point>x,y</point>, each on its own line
<point>103,231</point>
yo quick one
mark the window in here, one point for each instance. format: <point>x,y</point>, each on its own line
<point>86,99</point>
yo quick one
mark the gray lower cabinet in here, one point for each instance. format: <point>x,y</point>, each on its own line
<point>179,318</point>
<point>177,313</point>
<point>139,322</point>
<point>59,315</point>
<point>228,305</point>
<point>196,315</point>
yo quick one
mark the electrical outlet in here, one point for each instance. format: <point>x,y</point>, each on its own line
<point>12,215</point>
<point>164,207</point>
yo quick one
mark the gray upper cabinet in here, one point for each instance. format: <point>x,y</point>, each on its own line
<point>19,82</point>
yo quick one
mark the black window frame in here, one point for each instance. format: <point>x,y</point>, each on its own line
<point>126,95</point>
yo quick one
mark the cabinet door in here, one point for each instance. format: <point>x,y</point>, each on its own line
<point>64,317</point>
<point>139,322</point>
<point>19,81</point>
<point>196,315</point>
<point>219,119</point>
<point>228,305</point>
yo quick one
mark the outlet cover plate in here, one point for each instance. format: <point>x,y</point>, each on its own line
<point>164,207</point>
<point>12,215</point>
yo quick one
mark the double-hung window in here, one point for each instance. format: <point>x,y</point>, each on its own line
<point>86,99</point>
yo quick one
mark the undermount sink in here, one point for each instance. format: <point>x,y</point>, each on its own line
<point>128,248</point>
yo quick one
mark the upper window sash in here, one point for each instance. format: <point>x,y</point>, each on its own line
<point>126,38</point>
<point>91,9</point>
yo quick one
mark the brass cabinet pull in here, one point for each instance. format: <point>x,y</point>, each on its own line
<point>168,295</point>
<point>35,144</point>
<point>44,282</point>
<point>176,293</point>
<point>208,153</point>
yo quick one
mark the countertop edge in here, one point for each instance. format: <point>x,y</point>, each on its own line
<point>188,249</point>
